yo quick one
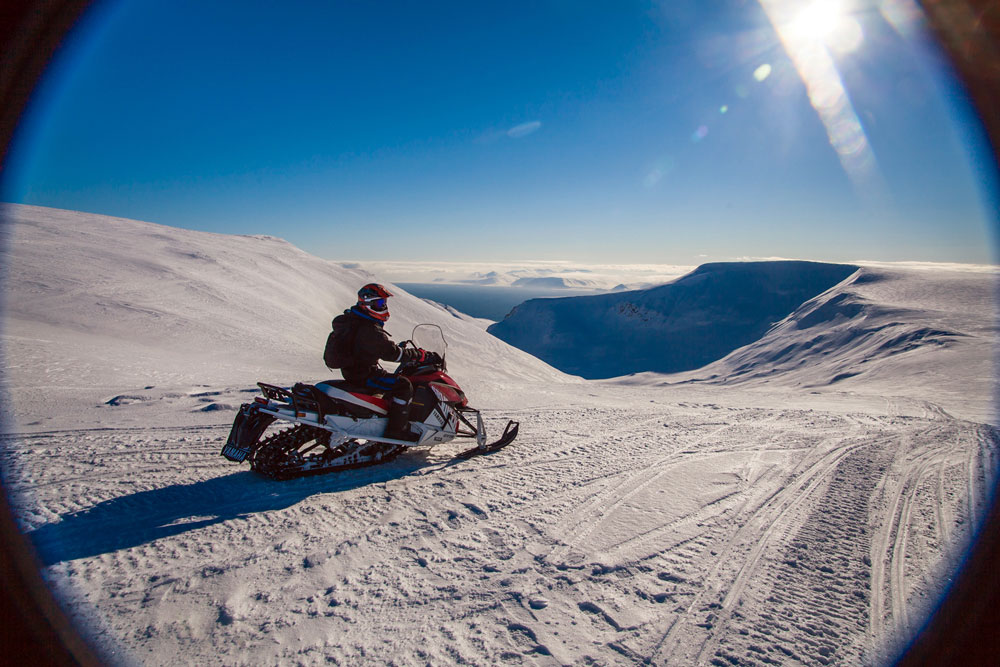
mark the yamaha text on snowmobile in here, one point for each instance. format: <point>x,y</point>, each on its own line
<point>336,426</point>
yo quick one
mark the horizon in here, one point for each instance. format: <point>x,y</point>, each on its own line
<point>640,134</point>
<point>605,276</point>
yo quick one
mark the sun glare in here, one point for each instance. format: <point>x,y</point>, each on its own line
<point>809,35</point>
<point>817,20</point>
<point>827,22</point>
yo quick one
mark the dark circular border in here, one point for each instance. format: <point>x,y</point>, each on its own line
<point>963,630</point>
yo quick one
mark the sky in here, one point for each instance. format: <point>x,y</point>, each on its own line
<point>626,132</point>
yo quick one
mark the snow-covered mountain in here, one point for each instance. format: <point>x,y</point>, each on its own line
<point>874,319</point>
<point>889,332</point>
<point>104,306</point>
<point>872,329</point>
<point>683,325</point>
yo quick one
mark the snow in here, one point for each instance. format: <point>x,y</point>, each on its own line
<point>685,324</point>
<point>131,304</point>
<point>884,333</point>
<point>769,514</point>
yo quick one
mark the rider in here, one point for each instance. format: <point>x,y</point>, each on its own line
<point>357,343</point>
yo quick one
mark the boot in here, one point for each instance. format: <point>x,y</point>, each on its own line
<point>398,426</point>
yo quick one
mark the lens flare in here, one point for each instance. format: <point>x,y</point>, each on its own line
<point>807,36</point>
<point>847,36</point>
<point>661,169</point>
<point>905,16</point>
<point>827,22</point>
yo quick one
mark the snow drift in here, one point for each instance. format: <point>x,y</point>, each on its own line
<point>697,319</point>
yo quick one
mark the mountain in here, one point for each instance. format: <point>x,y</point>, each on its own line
<point>682,325</point>
<point>887,331</point>
<point>96,306</point>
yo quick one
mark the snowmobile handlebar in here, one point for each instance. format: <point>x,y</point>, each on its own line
<point>427,359</point>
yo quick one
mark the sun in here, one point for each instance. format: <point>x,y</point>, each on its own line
<point>827,22</point>
<point>817,20</point>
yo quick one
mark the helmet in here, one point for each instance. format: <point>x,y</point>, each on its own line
<point>372,300</point>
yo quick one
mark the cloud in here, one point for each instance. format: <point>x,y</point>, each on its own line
<point>597,276</point>
<point>930,266</point>
<point>524,129</point>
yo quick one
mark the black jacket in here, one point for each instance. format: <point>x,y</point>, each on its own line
<point>361,343</point>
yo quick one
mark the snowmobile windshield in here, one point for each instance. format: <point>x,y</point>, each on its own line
<point>429,337</point>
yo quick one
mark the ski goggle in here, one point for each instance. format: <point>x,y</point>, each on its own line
<point>376,304</point>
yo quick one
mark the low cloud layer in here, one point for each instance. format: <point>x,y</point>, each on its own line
<point>575,275</point>
<point>525,273</point>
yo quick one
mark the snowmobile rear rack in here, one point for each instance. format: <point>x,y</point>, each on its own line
<point>300,404</point>
<point>275,393</point>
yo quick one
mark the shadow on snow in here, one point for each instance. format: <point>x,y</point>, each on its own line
<point>142,517</point>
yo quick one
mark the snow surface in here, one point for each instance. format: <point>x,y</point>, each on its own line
<point>771,514</point>
<point>885,332</point>
<point>680,326</point>
<point>99,306</point>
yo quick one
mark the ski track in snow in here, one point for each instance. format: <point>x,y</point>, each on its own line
<point>676,533</point>
<point>798,502</point>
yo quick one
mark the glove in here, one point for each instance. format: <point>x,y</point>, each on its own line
<point>424,357</point>
<point>415,355</point>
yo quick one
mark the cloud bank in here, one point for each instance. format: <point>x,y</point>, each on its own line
<point>502,274</point>
<point>577,275</point>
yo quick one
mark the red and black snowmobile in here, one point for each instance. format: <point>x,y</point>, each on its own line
<point>333,426</point>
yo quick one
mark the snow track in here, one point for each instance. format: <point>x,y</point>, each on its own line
<point>798,502</point>
<point>668,532</point>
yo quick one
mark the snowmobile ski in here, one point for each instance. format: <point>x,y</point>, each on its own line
<point>509,433</point>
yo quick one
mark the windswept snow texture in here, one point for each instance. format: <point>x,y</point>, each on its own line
<point>764,510</point>
<point>683,325</point>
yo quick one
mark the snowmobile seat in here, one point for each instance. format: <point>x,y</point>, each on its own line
<point>343,392</point>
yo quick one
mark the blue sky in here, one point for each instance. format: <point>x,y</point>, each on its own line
<point>608,132</point>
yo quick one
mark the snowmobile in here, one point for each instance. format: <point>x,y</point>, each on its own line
<point>332,425</point>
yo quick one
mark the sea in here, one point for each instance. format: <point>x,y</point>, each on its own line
<point>491,302</point>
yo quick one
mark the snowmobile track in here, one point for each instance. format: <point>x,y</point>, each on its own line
<point>753,535</point>
<point>457,562</point>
